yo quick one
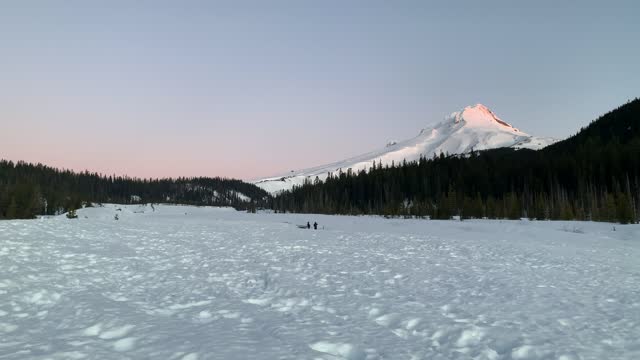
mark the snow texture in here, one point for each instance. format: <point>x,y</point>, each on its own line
<point>472,129</point>
<point>208,283</point>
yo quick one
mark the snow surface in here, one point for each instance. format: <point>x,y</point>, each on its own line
<point>210,283</point>
<point>472,129</point>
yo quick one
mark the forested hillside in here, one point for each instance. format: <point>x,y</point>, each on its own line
<point>27,190</point>
<point>594,175</point>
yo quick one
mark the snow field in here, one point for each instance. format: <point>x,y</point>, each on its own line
<point>204,283</point>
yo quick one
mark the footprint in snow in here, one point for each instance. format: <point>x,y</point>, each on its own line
<point>340,350</point>
<point>113,333</point>
<point>126,344</point>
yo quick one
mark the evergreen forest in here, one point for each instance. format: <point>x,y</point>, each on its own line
<point>28,190</point>
<point>593,175</point>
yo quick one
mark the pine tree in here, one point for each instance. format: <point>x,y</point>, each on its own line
<point>12,210</point>
<point>624,210</point>
<point>512,207</point>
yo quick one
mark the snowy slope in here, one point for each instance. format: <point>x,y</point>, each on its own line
<point>182,282</point>
<point>473,128</point>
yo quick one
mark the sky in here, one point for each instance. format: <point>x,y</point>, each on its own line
<point>248,89</point>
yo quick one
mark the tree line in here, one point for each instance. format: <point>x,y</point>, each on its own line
<point>593,175</point>
<point>28,190</point>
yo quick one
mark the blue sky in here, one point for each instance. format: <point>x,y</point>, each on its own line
<point>252,88</point>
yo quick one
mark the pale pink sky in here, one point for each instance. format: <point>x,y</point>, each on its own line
<point>255,88</point>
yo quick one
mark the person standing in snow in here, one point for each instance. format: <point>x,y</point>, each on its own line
<point>315,226</point>
<point>308,225</point>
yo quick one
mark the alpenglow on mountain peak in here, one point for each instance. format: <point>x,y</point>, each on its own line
<point>479,115</point>
<point>473,128</point>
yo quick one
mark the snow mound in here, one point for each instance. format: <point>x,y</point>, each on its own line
<point>339,350</point>
<point>474,128</point>
<point>110,212</point>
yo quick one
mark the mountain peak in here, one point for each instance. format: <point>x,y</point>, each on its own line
<point>479,116</point>
<point>474,128</point>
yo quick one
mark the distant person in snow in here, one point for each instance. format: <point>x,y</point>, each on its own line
<point>315,226</point>
<point>308,225</point>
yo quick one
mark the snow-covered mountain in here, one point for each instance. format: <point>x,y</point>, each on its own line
<point>471,129</point>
